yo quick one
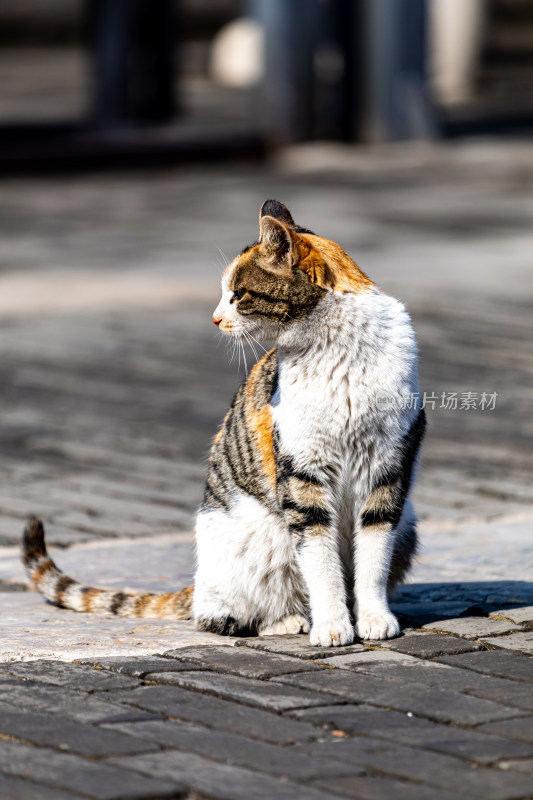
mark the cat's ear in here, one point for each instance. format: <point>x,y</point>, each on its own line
<point>278,243</point>
<point>273,208</point>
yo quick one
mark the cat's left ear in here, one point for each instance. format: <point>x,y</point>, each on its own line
<point>279,243</point>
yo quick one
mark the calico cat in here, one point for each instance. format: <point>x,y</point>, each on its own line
<point>306,512</point>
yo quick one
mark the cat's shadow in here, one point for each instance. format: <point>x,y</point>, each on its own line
<point>418,604</point>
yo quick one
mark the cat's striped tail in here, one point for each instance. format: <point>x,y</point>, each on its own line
<point>68,593</point>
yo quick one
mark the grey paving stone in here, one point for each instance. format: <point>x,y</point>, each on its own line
<point>72,676</point>
<point>246,662</point>
<point>88,778</point>
<point>439,704</point>
<point>219,714</point>
<point>520,728</point>
<point>51,730</point>
<point>369,659</point>
<point>516,641</point>
<point>440,676</point>
<point>434,769</point>
<point>219,780</point>
<point>428,645</point>
<point>15,789</point>
<point>472,627</point>
<point>233,748</point>
<point>521,616</point>
<point>515,666</point>
<point>400,728</point>
<point>139,666</point>
<point>523,765</point>
<point>66,703</point>
<point>297,646</point>
<point>376,788</point>
<point>255,693</point>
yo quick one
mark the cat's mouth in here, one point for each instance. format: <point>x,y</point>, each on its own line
<point>229,327</point>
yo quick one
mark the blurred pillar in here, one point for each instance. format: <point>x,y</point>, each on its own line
<point>396,89</point>
<point>132,46</point>
<point>310,53</point>
<point>457,30</point>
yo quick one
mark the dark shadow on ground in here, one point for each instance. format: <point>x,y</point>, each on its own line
<point>418,604</point>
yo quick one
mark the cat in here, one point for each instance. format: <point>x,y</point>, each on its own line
<point>306,512</point>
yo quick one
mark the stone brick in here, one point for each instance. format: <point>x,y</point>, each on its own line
<point>243,661</point>
<point>433,769</point>
<point>219,781</point>
<point>369,660</point>
<point>139,666</point>
<point>218,714</point>
<point>72,676</point>
<point>15,789</point>
<point>439,704</point>
<point>522,765</point>
<point>520,616</point>
<point>54,731</point>
<point>73,705</point>
<point>255,693</point>
<point>297,646</point>
<point>428,645</point>
<point>440,676</point>
<point>235,749</point>
<point>377,788</point>
<point>504,664</point>
<point>403,729</point>
<point>520,728</point>
<point>516,641</point>
<point>472,627</point>
<point>73,773</point>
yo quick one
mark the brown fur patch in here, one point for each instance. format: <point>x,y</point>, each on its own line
<point>307,494</point>
<point>327,265</point>
<point>63,583</point>
<point>183,602</point>
<point>141,604</point>
<point>316,530</point>
<point>259,416</point>
<point>383,497</point>
<point>88,597</point>
<point>39,571</point>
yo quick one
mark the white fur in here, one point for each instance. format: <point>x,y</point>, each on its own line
<point>332,367</point>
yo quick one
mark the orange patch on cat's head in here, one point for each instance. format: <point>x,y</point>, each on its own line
<point>284,247</point>
<point>327,265</point>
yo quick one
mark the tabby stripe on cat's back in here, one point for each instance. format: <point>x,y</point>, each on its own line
<point>242,456</point>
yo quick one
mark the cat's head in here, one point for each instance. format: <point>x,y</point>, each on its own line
<point>278,281</point>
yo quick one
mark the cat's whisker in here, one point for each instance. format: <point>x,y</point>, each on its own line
<point>244,357</point>
<point>224,256</point>
<point>257,342</point>
<point>250,343</point>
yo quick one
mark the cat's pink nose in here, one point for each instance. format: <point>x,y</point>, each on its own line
<point>217,320</point>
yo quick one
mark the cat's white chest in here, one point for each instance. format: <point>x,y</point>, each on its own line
<point>315,410</point>
<point>325,409</point>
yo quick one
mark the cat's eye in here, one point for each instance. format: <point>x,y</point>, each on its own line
<point>238,294</point>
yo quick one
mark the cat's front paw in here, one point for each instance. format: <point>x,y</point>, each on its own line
<point>380,625</point>
<point>294,623</point>
<point>332,634</point>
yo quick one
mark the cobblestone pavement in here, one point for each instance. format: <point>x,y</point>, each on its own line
<point>112,386</point>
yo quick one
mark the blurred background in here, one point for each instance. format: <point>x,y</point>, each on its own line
<point>117,80</point>
<point>137,142</point>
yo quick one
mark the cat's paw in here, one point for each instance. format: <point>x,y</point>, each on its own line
<point>294,623</point>
<point>332,634</point>
<point>380,625</point>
